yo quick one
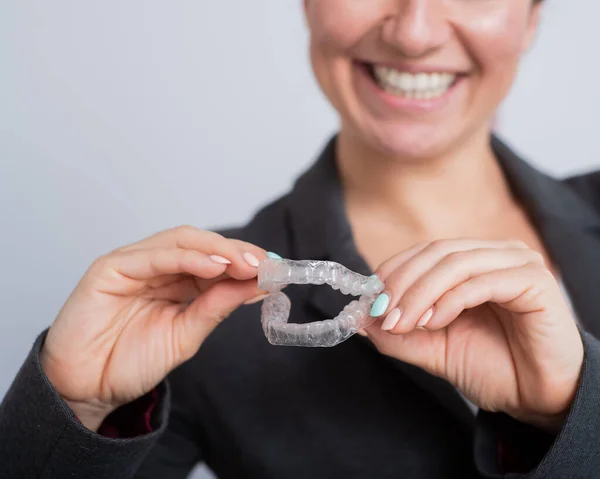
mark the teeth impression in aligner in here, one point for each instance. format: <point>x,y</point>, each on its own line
<point>273,274</point>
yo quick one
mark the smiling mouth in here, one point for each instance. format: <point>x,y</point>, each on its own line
<point>412,85</point>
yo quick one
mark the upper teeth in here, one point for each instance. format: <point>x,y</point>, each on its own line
<point>419,84</point>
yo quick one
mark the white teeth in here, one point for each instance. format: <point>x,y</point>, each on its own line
<point>405,81</point>
<point>415,86</point>
<point>422,82</point>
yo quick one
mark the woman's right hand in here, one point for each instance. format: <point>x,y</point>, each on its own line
<point>142,310</point>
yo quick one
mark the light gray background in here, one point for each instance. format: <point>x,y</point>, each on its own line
<point>122,118</point>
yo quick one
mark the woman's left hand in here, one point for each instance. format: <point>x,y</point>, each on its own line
<point>489,317</point>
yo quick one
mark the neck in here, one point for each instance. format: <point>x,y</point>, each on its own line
<point>447,196</point>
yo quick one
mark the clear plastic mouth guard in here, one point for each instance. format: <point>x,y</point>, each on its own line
<point>273,274</point>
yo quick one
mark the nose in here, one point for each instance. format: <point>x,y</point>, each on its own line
<point>416,27</point>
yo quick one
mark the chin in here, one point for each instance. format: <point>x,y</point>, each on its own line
<point>407,143</point>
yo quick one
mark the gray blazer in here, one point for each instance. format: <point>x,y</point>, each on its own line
<point>252,410</point>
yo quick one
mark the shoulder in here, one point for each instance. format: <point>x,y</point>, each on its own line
<point>587,186</point>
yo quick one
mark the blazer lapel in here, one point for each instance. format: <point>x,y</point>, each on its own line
<point>577,252</point>
<point>570,230</point>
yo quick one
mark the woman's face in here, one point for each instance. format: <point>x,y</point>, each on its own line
<point>417,78</point>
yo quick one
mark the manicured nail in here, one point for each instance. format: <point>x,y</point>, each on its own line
<point>380,305</point>
<point>250,259</point>
<point>425,318</point>
<point>256,299</point>
<point>219,259</point>
<point>391,320</point>
<point>373,276</point>
<point>272,255</point>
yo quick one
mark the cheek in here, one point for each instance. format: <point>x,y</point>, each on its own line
<point>325,31</point>
<point>336,27</point>
<point>496,40</point>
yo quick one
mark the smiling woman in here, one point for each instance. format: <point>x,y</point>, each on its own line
<point>470,362</point>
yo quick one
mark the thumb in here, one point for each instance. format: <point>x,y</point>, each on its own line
<point>209,309</point>
<point>424,349</point>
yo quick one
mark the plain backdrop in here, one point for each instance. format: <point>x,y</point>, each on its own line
<point>122,118</point>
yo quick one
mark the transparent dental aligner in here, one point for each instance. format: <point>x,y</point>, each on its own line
<point>273,274</point>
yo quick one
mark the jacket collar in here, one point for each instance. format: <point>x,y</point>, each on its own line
<point>320,227</point>
<point>319,223</point>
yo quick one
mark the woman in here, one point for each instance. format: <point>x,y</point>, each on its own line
<point>475,367</point>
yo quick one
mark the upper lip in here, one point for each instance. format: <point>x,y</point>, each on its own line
<point>416,68</point>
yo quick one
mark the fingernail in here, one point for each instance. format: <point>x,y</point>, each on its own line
<point>256,299</point>
<point>362,333</point>
<point>373,276</point>
<point>219,259</point>
<point>272,255</point>
<point>391,320</point>
<point>425,318</point>
<point>380,305</point>
<point>251,259</point>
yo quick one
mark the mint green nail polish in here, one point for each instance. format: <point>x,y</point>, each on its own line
<point>380,305</point>
<point>373,276</point>
<point>273,255</point>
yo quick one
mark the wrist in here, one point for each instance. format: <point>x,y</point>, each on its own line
<point>91,413</point>
<point>561,396</point>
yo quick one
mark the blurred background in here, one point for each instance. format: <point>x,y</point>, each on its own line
<point>119,119</point>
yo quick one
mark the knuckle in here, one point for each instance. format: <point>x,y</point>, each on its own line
<point>420,246</point>
<point>186,257</point>
<point>517,244</point>
<point>545,273</point>
<point>101,262</point>
<point>450,297</point>
<point>240,245</point>
<point>120,249</point>
<point>214,235</point>
<point>394,284</point>
<point>538,257</point>
<point>185,230</point>
<point>439,246</point>
<point>411,298</point>
<point>455,257</point>
<point>536,267</point>
<point>154,258</point>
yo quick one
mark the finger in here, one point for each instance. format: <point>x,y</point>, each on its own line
<point>424,349</point>
<point>193,325</point>
<point>240,270</point>
<point>414,267</point>
<point>251,255</point>
<point>163,286</point>
<point>449,272</point>
<point>139,266</point>
<point>387,267</point>
<point>243,257</point>
<point>180,289</point>
<point>516,289</point>
<point>187,237</point>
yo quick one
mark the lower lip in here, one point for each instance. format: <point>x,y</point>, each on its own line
<point>402,103</point>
